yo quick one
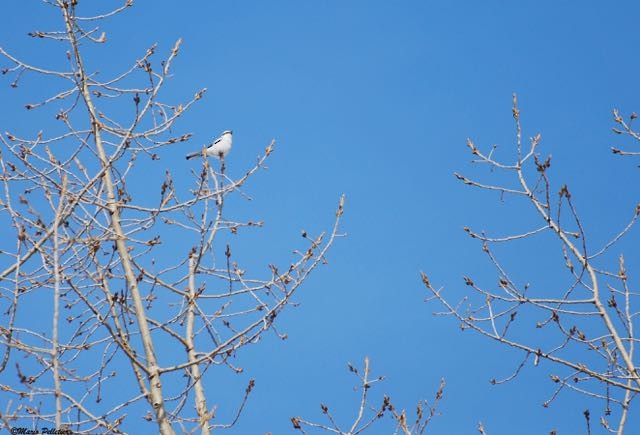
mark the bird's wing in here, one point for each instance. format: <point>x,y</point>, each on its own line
<point>217,140</point>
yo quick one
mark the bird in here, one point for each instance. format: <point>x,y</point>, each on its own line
<point>219,148</point>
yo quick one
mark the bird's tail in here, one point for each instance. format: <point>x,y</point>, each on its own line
<point>195,154</point>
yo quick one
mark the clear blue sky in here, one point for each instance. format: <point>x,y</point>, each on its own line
<point>375,99</point>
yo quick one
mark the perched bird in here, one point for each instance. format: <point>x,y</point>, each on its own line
<point>219,148</point>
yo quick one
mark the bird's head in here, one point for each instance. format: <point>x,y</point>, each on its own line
<point>227,132</point>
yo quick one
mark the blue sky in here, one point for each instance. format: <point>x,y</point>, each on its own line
<point>375,99</point>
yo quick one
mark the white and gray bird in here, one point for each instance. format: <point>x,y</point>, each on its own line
<point>219,148</point>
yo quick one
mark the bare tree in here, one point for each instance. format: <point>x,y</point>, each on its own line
<point>367,415</point>
<point>584,325</point>
<point>131,265</point>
